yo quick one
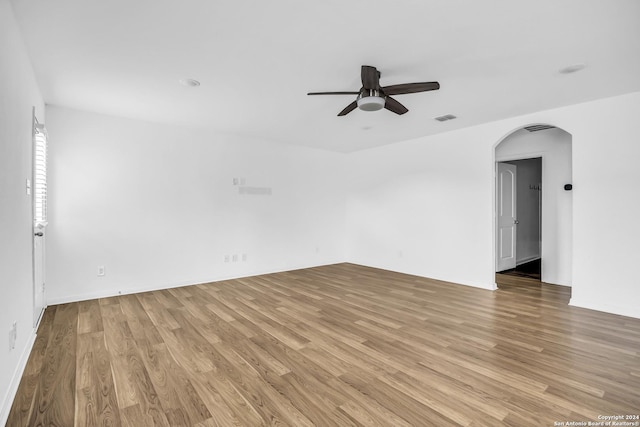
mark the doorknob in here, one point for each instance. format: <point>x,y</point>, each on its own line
<point>39,234</point>
<point>515,221</point>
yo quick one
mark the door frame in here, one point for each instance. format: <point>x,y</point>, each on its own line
<point>37,311</point>
<point>501,159</point>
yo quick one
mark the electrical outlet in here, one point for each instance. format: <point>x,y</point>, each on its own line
<point>226,258</point>
<point>101,270</point>
<point>234,258</point>
<point>13,335</point>
<point>244,257</point>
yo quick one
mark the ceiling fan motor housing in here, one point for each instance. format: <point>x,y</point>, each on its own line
<point>370,100</point>
<point>373,97</point>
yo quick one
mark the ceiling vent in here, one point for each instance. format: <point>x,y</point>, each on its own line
<point>536,128</point>
<point>445,117</point>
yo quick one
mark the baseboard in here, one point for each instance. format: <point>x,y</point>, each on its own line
<point>136,289</point>
<point>551,282</point>
<point>527,259</point>
<point>15,380</point>
<point>606,308</point>
<point>491,286</point>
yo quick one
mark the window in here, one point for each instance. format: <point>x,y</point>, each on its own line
<point>40,175</point>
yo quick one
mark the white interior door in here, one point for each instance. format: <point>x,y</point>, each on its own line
<point>39,200</point>
<point>506,217</point>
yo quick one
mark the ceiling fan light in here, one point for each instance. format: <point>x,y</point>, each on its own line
<point>371,103</point>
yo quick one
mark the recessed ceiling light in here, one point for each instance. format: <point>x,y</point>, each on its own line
<point>572,68</point>
<point>189,82</point>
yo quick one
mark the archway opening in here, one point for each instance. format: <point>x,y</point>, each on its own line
<point>534,214</point>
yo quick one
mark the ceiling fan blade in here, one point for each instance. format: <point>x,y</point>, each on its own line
<point>370,78</point>
<point>410,88</point>
<point>333,93</point>
<point>393,105</point>
<point>349,108</point>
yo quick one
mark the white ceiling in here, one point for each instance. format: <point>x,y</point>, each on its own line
<point>257,59</point>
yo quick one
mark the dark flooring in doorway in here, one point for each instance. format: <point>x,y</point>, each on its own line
<point>530,269</point>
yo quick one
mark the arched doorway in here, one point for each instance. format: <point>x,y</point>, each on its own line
<point>550,239</point>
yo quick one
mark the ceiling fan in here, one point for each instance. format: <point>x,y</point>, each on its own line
<point>373,97</point>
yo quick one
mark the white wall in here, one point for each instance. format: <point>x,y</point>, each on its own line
<point>156,205</point>
<point>420,207</point>
<point>606,204</point>
<point>426,206</point>
<point>554,146</point>
<point>19,93</point>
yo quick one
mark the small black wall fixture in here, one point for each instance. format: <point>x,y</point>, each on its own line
<point>568,187</point>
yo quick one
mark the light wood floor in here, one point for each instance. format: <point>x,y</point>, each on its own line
<point>339,345</point>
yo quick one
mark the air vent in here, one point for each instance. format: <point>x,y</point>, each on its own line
<point>445,117</point>
<point>536,128</point>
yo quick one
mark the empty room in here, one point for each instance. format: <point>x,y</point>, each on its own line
<point>296,213</point>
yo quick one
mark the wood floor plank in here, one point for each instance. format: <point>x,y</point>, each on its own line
<point>89,317</point>
<point>96,402</point>
<point>338,345</point>
<point>55,402</point>
<point>28,388</point>
<point>132,384</point>
<point>414,412</point>
<point>267,401</point>
<point>225,403</point>
<point>181,403</point>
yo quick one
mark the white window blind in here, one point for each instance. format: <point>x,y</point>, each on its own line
<point>40,175</point>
